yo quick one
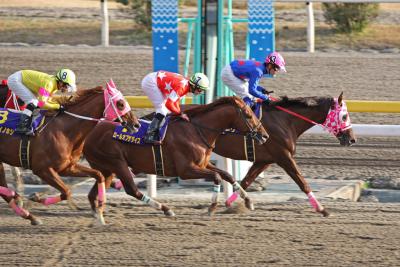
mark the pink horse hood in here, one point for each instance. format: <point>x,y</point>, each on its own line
<point>111,96</point>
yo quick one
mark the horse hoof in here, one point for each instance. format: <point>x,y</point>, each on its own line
<point>169,213</point>
<point>36,221</point>
<point>35,197</point>
<point>325,213</point>
<point>249,204</point>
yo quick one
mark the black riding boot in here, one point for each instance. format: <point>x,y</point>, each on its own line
<point>25,122</point>
<point>153,130</point>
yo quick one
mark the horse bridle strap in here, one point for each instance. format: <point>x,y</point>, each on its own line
<point>82,117</point>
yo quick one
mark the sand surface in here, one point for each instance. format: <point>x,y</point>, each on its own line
<point>279,234</point>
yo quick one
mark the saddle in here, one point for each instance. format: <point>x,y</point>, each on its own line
<point>123,135</point>
<point>9,119</point>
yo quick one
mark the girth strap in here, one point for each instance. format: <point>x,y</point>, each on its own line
<point>249,149</point>
<point>24,152</point>
<point>158,160</point>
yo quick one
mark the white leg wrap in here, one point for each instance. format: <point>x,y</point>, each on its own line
<point>216,190</point>
<point>151,202</point>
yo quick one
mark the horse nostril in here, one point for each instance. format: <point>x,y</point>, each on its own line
<point>137,125</point>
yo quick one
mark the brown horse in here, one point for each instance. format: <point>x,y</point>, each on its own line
<point>284,130</point>
<point>186,149</point>
<point>56,149</point>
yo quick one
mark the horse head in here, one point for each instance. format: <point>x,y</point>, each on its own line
<point>251,122</point>
<point>338,122</point>
<point>115,105</point>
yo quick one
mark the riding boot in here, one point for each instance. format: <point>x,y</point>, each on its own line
<point>25,122</point>
<point>152,134</point>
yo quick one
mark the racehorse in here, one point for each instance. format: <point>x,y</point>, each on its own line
<point>186,149</point>
<point>56,149</point>
<point>285,120</point>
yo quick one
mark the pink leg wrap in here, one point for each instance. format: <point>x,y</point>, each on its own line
<point>18,210</point>
<point>51,200</point>
<point>118,184</point>
<point>101,195</point>
<point>232,198</point>
<point>7,192</point>
<point>314,202</point>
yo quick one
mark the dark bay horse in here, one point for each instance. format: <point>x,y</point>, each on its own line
<point>186,149</point>
<point>56,149</point>
<point>284,130</point>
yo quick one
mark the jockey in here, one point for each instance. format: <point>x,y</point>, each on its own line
<point>35,88</point>
<point>243,76</point>
<point>165,89</point>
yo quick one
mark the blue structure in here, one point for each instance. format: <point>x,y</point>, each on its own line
<point>165,34</point>
<point>261,28</point>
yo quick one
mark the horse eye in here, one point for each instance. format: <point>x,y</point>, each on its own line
<point>120,105</point>
<point>344,117</point>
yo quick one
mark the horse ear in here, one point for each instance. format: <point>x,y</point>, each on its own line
<point>340,98</point>
<point>112,84</point>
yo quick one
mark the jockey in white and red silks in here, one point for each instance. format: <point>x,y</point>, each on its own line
<point>165,89</point>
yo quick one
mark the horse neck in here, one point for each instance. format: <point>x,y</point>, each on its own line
<point>92,108</point>
<point>297,126</point>
<point>220,118</point>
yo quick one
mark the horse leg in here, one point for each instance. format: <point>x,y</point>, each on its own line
<point>14,200</point>
<point>237,189</point>
<point>77,170</point>
<point>251,175</point>
<point>210,172</point>
<point>126,177</point>
<point>291,168</point>
<point>18,181</point>
<point>51,177</point>
<point>215,195</point>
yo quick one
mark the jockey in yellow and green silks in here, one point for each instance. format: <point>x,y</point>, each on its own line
<point>36,88</point>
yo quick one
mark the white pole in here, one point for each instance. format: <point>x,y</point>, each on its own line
<point>104,24</point>
<point>310,28</point>
<point>228,190</point>
<point>152,185</point>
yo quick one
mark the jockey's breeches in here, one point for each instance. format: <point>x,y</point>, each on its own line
<point>240,87</point>
<point>150,88</point>
<point>18,88</point>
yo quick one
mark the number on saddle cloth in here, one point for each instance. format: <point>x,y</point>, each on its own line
<point>9,120</point>
<point>123,135</point>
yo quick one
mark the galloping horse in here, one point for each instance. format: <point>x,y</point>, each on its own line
<point>56,149</point>
<point>284,128</point>
<point>186,149</point>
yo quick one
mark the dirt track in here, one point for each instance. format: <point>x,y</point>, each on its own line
<point>286,234</point>
<point>275,234</point>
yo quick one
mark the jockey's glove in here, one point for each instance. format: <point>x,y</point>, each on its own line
<point>265,91</point>
<point>61,109</point>
<point>266,102</point>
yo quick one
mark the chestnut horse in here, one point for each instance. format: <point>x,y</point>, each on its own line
<point>56,149</point>
<point>284,129</point>
<point>186,149</point>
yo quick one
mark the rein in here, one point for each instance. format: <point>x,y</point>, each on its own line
<point>198,128</point>
<point>301,116</point>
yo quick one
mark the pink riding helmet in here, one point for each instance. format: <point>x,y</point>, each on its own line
<point>276,59</point>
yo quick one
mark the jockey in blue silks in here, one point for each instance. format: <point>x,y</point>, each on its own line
<point>243,76</point>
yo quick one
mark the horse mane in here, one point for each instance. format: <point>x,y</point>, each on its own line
<point>201,109</point>
<point>77,97</point>
<point>307,102</point>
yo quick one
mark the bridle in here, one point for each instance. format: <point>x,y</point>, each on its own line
<point>252,133</point>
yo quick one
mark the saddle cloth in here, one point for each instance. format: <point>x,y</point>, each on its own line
<point>122,134</point>
<point>10,118</point>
